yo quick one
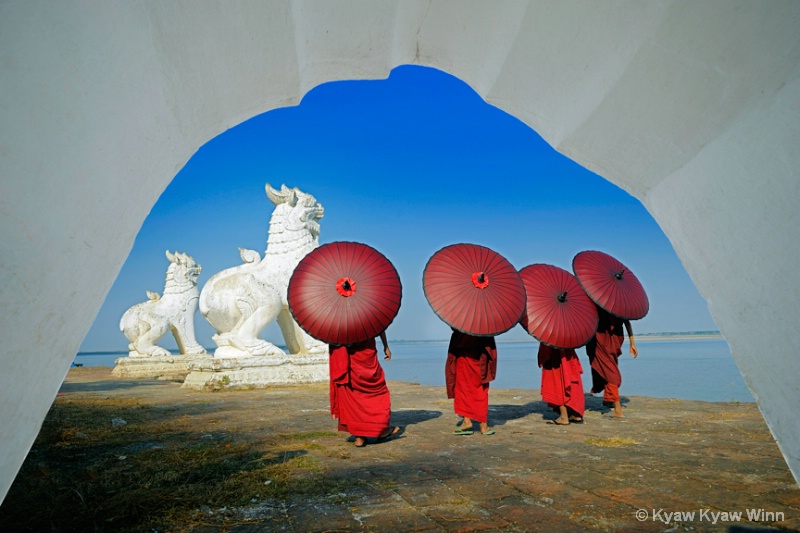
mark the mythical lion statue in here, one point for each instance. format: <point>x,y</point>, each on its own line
<point>240,301</point>
<point>145,323</point>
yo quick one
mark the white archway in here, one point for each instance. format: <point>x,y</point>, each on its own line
<point>691,107</point>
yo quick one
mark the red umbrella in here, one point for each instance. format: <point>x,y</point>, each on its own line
<point>558,312</point>
<point>344,293</point>
<point>474,289</point>
<point>611,284</point>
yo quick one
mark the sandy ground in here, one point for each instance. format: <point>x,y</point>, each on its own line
<point>666,456</point>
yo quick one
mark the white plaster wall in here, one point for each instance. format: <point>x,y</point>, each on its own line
<point>691,106</point>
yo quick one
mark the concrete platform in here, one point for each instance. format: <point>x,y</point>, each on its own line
<point>237,373</point>
<point>167,368</point>
<point>666,456</point>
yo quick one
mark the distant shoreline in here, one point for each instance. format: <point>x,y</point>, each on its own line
<point>679,337</point>
<point>644,337</point>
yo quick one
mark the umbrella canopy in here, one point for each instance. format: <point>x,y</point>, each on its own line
<point>558,311</point>
<point>474,289</point>
<point>610,284</point>
<point>344,293</point>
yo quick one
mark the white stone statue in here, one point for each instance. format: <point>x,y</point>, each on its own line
<point>240,301</point>
<point>145,323</point>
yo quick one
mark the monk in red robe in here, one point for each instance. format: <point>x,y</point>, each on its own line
<point>604,351</point>
<point>359,395</point>
<point>471,365</point>
<point>562,386</point>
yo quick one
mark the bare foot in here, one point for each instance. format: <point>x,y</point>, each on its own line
<point>360,442</point>
<point>391,432</point>
<point>562,420</point>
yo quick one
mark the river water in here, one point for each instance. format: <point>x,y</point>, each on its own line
<point>685,369</point>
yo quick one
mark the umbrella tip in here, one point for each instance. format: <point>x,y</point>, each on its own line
<point>619,274</point>
<point>562,297</point>
<point>346,287</point>
<point>480,280</point>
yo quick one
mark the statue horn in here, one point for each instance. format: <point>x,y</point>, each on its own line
<point>274,195</point>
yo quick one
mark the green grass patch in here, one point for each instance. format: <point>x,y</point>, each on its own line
<point>310,435</point>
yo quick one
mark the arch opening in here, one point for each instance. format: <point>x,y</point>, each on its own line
<point>408,165</point>
<point>118,100</point>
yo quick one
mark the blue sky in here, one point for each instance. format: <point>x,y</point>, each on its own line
<point>407,165</point>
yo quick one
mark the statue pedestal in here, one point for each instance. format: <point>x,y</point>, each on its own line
<point>167,368</point>
<point>231,373</point>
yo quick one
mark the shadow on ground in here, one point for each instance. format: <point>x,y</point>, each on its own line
<point>100,386</point>
<point>410,417</point>
<point>271,460</point>
<point>503,413</point>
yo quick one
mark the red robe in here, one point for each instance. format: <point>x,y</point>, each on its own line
<point>359,395</point>
<point>604,351</point>
<point>471,365</point>
<point>561,378</point>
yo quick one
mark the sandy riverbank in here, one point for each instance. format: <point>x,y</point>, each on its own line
<point>288,470</point>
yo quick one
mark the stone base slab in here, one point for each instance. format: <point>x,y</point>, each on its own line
<point>236,373</point>
<point>166,368</point>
